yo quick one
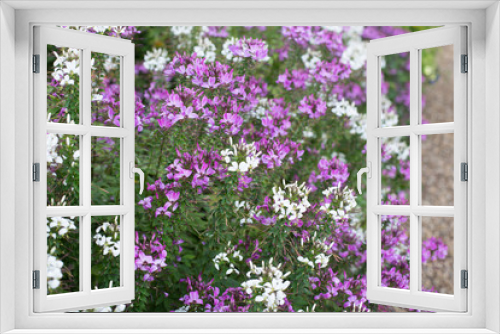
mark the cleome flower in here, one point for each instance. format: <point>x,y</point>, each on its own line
<point>291,205</point>
<point>54,272</point>
<point>229,256</point>
<point>242,157</point>
<point>108,238</point>
<point>269,288</point>
<point>156,59</point>
<point>338,203</point>
<point>237,49</point>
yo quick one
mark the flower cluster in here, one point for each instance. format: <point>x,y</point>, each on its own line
<point>54,272</point>
<point>203,297</point>
<point>107,236</point>
<point>433,249</point>
<point>241,151</point>
<point>150,256</point>
<point>255,49</point>
<point>269,285</point>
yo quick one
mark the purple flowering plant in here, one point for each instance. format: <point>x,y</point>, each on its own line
<point>250,139</point>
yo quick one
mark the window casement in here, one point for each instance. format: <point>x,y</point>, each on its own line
<point>71,203</point>
<point>418,209</point>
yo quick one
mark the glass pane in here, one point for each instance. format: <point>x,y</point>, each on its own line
<point>63,258</point>
<point>105,252</point>
<point>437,84</point>
<point>105,89</point>
<point>437,169</point>
<point>105,171</point>
<point>63,169</point>
<point>395,170</point>
<point>63,84</point>
<point>437,254</point>
<point>395,90</point>
<point>395,252</point>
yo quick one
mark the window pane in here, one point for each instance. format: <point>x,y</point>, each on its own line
<point>395,89</point>
<point>105,252</point>
<point>105,89</point>
<point>437,254</point>
<point>105,171</point>
<point>63,169</point>
<point>437,84</point>
<point>395,170</point>
<point>63,84</point>
<point>437,169</point>
<point>63,256</point>
<point>395,253</point>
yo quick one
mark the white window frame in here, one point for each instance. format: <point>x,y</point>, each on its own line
<point>483,21</point>
<point>413,43</point>
<point>122,291</point>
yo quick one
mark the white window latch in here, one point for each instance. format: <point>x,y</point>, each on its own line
<point>134,170</point>
<point>368,171</point>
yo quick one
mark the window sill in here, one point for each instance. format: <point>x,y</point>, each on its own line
<point>248,331</point>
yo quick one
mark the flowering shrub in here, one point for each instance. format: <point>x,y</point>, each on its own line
<point>249,137</point>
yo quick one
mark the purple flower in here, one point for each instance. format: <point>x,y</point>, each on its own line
<point>192,298</point>
<point>173,196</point>
<point>255,49</point>
<point>146,203</point>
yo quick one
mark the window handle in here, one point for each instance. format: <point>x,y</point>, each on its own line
<point>134,170</point>
<point>368,171</point>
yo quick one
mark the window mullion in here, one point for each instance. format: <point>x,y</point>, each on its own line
<point>86,235</point>
<point>414,172</point>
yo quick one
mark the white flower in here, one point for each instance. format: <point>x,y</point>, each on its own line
<point>111,63</point>
<point>343,107</point>
<point>63,224</point>
<point>221,257</point>
<point>182,309</point>
<point>253,162</point>
<point>353,32</point>
<point>109,244</point>
<point>156,59</point>
<point>306,261</point>
<point>66,65</point>
<point>322,260</point>
<point>307,309</point>
<point>54,271</point>
<point>52,145</point>
<point>251,284</point>
<point>239,204</point>
<point>355,53</point>
<point>235,167</point>
<point>269,287</point>
<point>231,270</point>
<point>237,255</point>
<point>311,58</point>
<point>243,167</point>
<point>337,29</point>
<point>205,49</point>
<point>308,133</point>
<point>226,155</point>
<point>120,308</point>
<point>181,30</point>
